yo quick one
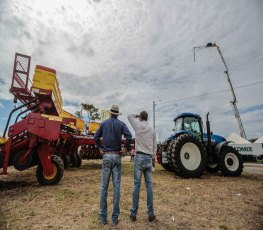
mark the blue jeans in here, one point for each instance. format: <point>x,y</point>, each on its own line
<point>111,165</point>
<point>142,165</point>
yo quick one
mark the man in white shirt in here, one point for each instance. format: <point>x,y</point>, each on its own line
<point>145,147</point>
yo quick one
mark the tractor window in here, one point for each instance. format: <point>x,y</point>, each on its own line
<point>192,125</point>
<point>178,124</point>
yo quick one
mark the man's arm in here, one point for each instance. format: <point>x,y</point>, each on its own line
<point>128,136</point>
<point>97,137</point>
<point>134,121</point>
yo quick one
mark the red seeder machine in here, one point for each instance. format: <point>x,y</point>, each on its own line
<point>47,136</point>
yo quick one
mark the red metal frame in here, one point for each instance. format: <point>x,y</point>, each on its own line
<point>46,68</point>
<point>20,78</point>
<point>31,145</point>
<point>7,148</point>
<point>44,152</point>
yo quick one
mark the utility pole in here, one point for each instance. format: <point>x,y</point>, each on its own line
<point>154,104</point>
<point>233,103</point>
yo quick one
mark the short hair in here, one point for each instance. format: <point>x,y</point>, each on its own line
<point>144,115</point>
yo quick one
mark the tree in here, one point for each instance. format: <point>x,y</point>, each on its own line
<point>91,110</point>
<point>79,114</point>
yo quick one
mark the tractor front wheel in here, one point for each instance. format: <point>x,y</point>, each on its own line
<point>230,162</point>
<point>57,174</point>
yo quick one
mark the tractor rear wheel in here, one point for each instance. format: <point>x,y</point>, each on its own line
<point>167,166</point>
<point>55,177</point>
<point>18,164</point>
<point>189,156</point>
<point>230,162</point>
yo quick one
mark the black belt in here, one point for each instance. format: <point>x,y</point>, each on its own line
<point>142,153</point>
<point>111,152</point>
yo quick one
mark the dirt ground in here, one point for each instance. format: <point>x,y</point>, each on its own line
<point>213,202</point>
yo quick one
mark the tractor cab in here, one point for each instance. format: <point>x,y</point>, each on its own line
<point>189,123</point>
<point>192,124</point>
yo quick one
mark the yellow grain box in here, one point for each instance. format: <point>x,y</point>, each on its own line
<point>93,126</point>
<point>3,140</point>
<point>79,122</point>
<point>45,78</point>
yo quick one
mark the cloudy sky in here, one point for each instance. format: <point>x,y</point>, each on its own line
<point>134,52</point>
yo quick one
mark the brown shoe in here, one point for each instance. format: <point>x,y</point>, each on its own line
<point>151,218</point>
<point>132,217</point>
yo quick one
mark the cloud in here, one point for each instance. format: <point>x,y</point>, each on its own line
<point>132,53</point>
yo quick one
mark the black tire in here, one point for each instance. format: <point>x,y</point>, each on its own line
<point>212,168</point>
<point>73,160</point>
<point>20,166</point>
<point>169,157</point>
<point>2,159</point>
<point>78,160</point>
<point>230,162</point>
<point>188,156</point>
<point>58,172</point>
<point>66,160</point>
<point>167,166</point>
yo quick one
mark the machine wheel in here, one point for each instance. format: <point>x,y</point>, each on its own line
<point>66,161</point>
<point>72,160</point>
<point>188,156</point>
<point>22,165</point>
<point>78,160</point>
<point>75,160</point>
<point>212,168</point>
<point>230,162</point>
<point>55,177</point>
<point>2,159</point>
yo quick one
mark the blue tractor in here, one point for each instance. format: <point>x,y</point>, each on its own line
<point>190,151</point>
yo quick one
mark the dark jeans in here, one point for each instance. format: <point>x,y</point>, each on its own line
<point>111,165</point>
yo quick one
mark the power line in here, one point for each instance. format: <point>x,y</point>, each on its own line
<point>210,93</point>
<point>243,86</point>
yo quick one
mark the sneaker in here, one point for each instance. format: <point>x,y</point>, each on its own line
<point>151,218</point>
<point>132,217</point>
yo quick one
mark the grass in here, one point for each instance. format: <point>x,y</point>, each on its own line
<point>224,227</point>
<point>213,202</point>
